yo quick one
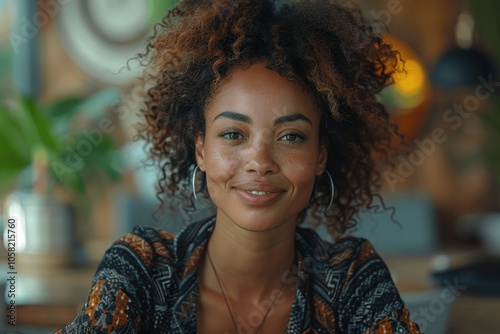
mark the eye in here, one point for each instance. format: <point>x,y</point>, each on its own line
<point>231,135</point>
<point>293,137</point>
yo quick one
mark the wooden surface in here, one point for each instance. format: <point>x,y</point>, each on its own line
<point>48,297</point>
<point>468,313</point>
<point>48,317</point>
<point>474,314</point>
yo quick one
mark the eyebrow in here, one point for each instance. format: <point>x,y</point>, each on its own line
<point>278,121</point>
<point>291,118</point>
<point>234,116</point>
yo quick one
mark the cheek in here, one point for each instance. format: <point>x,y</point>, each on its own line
<point>221,166</point>
<point>301,170</point>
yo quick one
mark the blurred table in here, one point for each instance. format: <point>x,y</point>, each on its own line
<point>469,313</point>
<point>475,314</point>
<point>48,299</point>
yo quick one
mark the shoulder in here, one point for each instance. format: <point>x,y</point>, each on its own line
<point>359,251</point>
<point>346,250</point>
<point>355,278</point>
<point>156,247</point>
<point>147,244</point>
<point>346,263</point>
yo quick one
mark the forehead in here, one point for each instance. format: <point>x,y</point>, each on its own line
<point>260,88</point>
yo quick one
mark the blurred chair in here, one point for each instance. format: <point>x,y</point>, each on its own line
<point>405,225</point>
<point>412,230</point>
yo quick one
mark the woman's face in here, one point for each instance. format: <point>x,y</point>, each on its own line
<point>261,150</point>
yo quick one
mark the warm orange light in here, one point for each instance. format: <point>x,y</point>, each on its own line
<point>411,85</point>
<point>408,99</point>
<point>413,81</point>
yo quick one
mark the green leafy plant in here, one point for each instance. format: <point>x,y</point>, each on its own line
<point>491,120</point>
<point>488,26</point>
<point>34,135</point>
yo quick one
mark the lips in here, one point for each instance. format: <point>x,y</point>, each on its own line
<point>259,193</point>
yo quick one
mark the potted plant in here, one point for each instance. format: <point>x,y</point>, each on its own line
<point>49,154</point>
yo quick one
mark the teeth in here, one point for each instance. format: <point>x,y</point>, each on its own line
<point>260,193</point>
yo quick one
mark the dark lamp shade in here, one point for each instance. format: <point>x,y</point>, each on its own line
<point>460,68</point>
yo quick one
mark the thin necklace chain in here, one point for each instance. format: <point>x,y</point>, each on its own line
<point>227,302</point>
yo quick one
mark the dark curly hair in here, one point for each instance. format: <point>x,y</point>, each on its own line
<point>326,45</point>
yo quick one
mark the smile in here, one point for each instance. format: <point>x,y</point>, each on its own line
<point>259,193</point>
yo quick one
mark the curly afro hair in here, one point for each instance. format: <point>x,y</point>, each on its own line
<point>326,45</point>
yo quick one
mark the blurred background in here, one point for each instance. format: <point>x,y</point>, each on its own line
<point>72,179</point>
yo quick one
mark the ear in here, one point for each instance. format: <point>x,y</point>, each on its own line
<point>199,142</point>
<point>323,156</point>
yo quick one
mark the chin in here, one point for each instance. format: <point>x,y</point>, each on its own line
<point>262,222</point>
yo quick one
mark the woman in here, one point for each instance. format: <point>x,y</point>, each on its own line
<point>270,112</point>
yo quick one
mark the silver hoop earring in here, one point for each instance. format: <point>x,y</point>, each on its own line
<point>333,190</point>
<point>193,180</point>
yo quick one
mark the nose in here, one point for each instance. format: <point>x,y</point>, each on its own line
<point>260,155</point>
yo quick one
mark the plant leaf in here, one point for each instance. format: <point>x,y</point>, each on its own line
<point>40,123</point>
<point>67,107</point>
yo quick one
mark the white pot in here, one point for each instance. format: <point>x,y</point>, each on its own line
<point>41,227</point>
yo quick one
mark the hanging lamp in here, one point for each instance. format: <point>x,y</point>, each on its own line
<point>462,65</point>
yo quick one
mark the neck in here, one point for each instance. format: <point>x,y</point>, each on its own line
<point>250,264</point>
